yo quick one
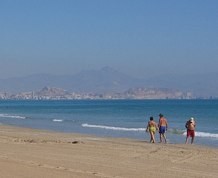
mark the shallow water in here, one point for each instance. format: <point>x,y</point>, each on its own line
<point>115,118</point>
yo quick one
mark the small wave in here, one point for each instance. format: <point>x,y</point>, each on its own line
<point>113,128</point>
<point>176,131</point>
<point>12,116</point>
<point>57,120</point>
<point>204,134</point>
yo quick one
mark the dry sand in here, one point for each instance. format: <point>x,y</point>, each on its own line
<point>27,153</point>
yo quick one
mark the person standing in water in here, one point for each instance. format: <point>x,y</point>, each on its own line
<point>162,125</point>
<point>190,126</point>
<point>152,127</point>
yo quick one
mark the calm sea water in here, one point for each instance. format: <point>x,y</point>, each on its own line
<point>115,118</point>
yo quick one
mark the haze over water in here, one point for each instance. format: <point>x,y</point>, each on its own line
<point>139,38</point>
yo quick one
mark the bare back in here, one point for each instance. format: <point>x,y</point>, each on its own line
<point>162,122</point>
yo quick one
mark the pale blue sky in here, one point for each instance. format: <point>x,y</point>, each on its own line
<point>138,37</point>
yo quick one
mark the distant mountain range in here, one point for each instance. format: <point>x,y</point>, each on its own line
<point>109,80</point>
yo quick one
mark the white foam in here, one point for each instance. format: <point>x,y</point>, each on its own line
<point>113,128</point>
<point>204,134</point>
<point>12,116</point>
<point>57,120</point>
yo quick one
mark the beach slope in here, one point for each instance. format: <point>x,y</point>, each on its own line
<point>26,153</point>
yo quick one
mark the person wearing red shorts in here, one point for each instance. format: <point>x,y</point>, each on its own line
<point>190,126</point>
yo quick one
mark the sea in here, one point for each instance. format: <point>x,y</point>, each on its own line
<point>115,118</point>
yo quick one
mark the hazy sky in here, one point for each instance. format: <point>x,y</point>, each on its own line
<point>137,37</point>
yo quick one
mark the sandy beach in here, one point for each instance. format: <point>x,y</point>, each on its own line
<point>32,153</point>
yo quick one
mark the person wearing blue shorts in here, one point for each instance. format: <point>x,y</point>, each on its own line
<point>162,127</point>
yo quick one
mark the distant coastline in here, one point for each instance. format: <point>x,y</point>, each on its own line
<point>52,93</point>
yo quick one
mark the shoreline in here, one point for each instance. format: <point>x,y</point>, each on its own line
<point>180,140</point>
<point>141,139</point>
<point>34,153</point>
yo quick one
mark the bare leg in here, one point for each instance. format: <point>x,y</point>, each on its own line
<point>164,136</point>
<point>192,140</point>
<point>186,140</point>
<point>160,138</point>
<point>165,139</point>
<point>152,136</point>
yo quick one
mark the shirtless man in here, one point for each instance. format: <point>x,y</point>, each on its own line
<point>162,127</point>
<point>190,126</point>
